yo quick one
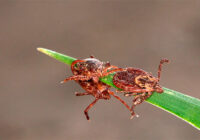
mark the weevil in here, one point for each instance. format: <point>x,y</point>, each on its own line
<point>138,83</point>
<point>86,73</point>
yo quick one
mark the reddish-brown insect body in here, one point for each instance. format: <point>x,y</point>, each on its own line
<point>139,83</point>
<point>87,73</point>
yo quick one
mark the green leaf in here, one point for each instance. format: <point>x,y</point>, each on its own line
<point>58,56</point>
<point>183,106</point>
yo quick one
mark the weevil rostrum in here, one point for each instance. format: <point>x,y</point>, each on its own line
<point>87,72</point>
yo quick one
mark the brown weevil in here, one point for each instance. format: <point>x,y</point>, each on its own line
<point>87,72</point>
<point>138,83</point>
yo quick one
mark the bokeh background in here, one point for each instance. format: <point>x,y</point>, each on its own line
<point>35,106</point>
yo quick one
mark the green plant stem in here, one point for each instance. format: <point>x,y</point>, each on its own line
<point>183,106</point>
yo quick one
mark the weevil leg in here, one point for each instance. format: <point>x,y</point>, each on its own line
<point>122,91</point>
<point>89,106</point>
<point>75,62</point>
<point>130,94</point>
<point>81,94</point>
<point>109,67</point>
<point>138,99</point>
<point>160,67</point>
<point>136,90</point>
<point>127,93</point>
<point>123,102</point>
<point>76,77</point>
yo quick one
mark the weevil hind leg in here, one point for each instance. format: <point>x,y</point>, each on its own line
<point>123,91</point>
<point>88,108</point>
<point>123,102</point>
<point>138,99</point>
<point>130,94</point>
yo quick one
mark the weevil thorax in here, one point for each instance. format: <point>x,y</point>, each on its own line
<point>93,65</point>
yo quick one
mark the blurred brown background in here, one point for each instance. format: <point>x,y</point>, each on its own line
<point>34,106</point>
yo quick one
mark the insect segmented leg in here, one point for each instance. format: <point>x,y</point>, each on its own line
<point>160,67</point>
<point>76,77</point>
<point>123,102</point>
<point>134,91</point>
<point>141,90</point>
<point>89,106</point>
<point>81,94</point>
<point>123,91</point>
<point>130,94</point>
<point>109,67</point>
<point>138,99</point>
<point>74,63</point>
<point>127,93</point>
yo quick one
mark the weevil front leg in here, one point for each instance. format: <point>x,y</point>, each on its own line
<point>81,94</point>
<point>76,77</point>
<point>123,102</point>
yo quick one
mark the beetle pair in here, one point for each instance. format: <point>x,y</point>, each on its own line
<point>132,81</point>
